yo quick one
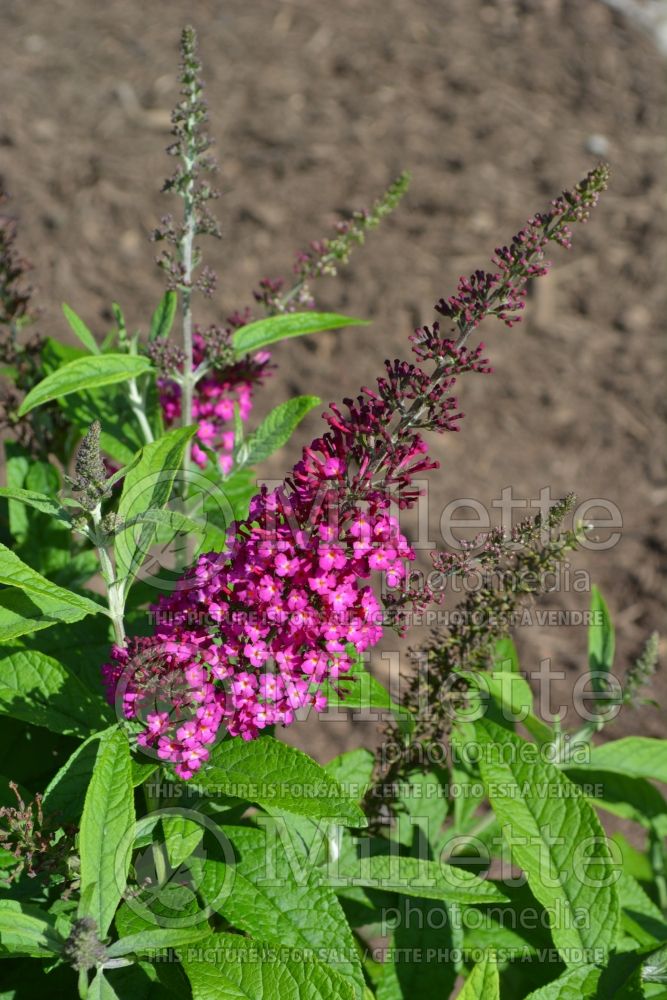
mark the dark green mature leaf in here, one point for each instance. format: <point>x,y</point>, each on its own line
<point>275,431</point>
<point>410,876</point>
<point>556,837</point>
<point>419,960</point>
<point>483,982</point>
<point>147,487</point>
<point>78,327</point>
<point>235,968</point>
<point>575,984</point>
<point>40,690</point>
<point>27,930</point>
<point>41,602</point>
<point>66,792</point>
<point>149,941</point>
<point>105,838</point>
<point>163,317</point>
<point>358,689</point>
<point>274,774</point>
<point>263,332</point>
<point>280,909</point>
<point>85,373</point>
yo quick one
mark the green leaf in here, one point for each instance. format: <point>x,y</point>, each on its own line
<point>416,877</point>
<point>147,486</point>
<point>281,910</point>
<point>120,437</point>
<point>512,694</point>
<point>575,984</point>
<point>163,317</point>
<point>78,327</point>
<point>66,792</point>
<point>353,770</point>
<point>422,804</point>
<point>100,988</point>
<point>105,838</point>
<point>182,836</point>
<point>654,968</point>
<point>505,655</point>
<point>27,930</point>
<point>601,638</point>
<point>147,942</point>
<point>235,968</point>
<point>483,982</point>
<point>630,798</point>
<point>84,373</point>
<point>275,431</point>
<point>358,689</point>
<point>263,332</point>
<point>18,464</point>
<point>635,756</point>
<point>640,917</point>
<point>41,602</point>
<point>556,837</point>
<point>419,961</point>
<point>37,500</point>
<point>40,690</point>
<point>271,773</point>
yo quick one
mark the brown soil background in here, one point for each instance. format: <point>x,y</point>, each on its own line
<point>315,107</point>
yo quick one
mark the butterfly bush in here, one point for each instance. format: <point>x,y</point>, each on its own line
<point>254,634</point>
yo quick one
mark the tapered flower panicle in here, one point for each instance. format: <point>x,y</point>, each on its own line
<point>253,634</point>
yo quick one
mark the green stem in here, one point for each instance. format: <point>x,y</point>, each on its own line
<point>659,868</point>
<point>137,404</point>
<point>115,595</point>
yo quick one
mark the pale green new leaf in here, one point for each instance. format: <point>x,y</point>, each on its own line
<point>275,431</point>
<point>78,327</point>
<point>636,756</point>
<point>236,968</point>
<point>271,773</point>
<point>27,930</point>
<point>601,638</point>
<point>39,501</point>
<point>263,332</point>
<point>556,837</point>
<point>106,834</point>
<point>40,690</point>
<point>163,317</point>
<point>483,982</point>
<point>100,988</point>
<point>579,983</point>
<point>147,487</point>
<point>82,374</point>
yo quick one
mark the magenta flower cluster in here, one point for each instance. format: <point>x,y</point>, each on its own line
<point>216,397</point>
<point>252,634</point>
